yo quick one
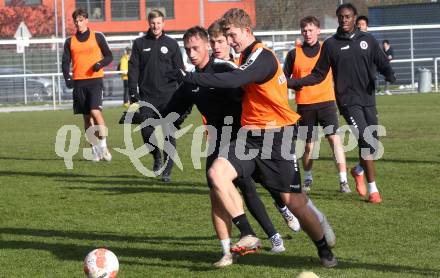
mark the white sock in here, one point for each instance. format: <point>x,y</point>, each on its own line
<point>308,175</point>
<point>342,177</point>
<point>359,170</point>
<point>95,148</point>
<point>315,210</point>
<point>372,187</point>
<point>226,245</point>
<point>103,142</point>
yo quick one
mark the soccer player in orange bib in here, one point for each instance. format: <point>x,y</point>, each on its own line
<point>89,53</point>
<point>265,145</point>
<point>316,104</point>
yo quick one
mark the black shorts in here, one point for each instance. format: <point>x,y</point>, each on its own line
<point>275,166</point>
<point>325,114</point>
<point>86,99</point>
<point>360,120</point>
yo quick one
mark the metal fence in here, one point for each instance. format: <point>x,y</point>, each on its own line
<point>30,71</point>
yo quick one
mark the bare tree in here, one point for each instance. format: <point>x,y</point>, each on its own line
<point>286,14</point>
<point>278,14</point>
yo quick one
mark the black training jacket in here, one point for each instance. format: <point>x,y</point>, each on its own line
<point>260,69</point>
<point>213,103</point>
<point>150,59</point>
<point>353,59</point>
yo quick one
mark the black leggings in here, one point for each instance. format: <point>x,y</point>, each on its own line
<point>255,205</point>
<point>148,132</point>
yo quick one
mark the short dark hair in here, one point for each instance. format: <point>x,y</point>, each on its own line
<point>309,20</point>
<point>215,29</point>
<point>362,17</point>
<point>80,12</point>
<point>386,41</point>
<point>195,31</point>
<point>346,6</point>
<point>155,13</point>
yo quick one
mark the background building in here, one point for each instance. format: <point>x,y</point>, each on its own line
<point>113,16</point>
<point>414,46</point>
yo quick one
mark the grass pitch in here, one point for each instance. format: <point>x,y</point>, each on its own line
<point>51,217</point>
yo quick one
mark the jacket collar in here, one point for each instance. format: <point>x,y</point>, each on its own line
<point>150,34</point>
<point>346,35</point>
<point>248,50</point>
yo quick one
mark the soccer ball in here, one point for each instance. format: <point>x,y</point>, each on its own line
<point>101,263</point>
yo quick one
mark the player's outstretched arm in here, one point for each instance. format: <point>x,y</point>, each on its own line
<point>260,67</point>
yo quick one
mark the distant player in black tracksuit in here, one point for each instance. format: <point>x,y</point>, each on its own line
<point>353,57</point>
<point>153,55</point>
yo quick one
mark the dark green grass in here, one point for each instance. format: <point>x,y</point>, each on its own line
<point>51,217</point>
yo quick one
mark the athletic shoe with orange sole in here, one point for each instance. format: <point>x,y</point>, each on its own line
<point>247,245</point>
<point>360,183</point>
<point>374,198</point>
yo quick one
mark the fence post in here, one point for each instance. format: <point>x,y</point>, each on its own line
<point>24,74</point>
<point>59,90</point>
<point>435,73</point>
<point>53,92</point>
<point>412,57</point>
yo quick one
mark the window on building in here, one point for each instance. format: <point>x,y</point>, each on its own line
<point>165,6</point>
<point>22,2</point>
<point>95,8</point>
<point>125,9</point>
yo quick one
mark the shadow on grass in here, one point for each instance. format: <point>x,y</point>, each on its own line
<point>198,260</point>
<point>61,174</point>
<point>29,158</point>
<point>142,189</point>
<point>351,160</point>
<point>127,180</point>
<point>138,182</point>
<point>104,236</point>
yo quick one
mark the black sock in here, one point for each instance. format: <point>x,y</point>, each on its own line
<point>243,225</point>
<point>321,244</point>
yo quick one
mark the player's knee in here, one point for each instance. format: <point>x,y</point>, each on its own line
<point>95,112</point>
<point>295,201</point>
<point>334,140</point>
<point>308,148</point>
<point>218,173</point>
<point>332,137</point>
<point>214,175</point>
